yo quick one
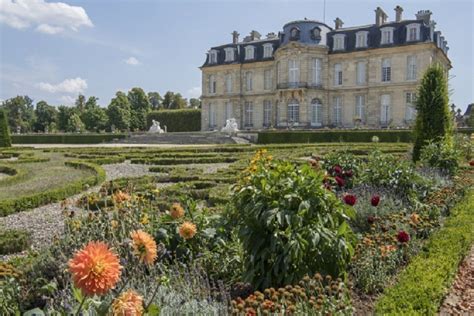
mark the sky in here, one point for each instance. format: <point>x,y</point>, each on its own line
<point>53,51</point>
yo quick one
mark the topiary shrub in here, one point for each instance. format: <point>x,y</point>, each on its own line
<point>13,241</point>
<point>433,118</point>
<point>5,139</point>
<point>289,224</point>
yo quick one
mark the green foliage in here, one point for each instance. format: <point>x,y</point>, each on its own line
<point>421,287</point>
<point>65,138</point>
<point>156,100</point>
<point>64,113</point>
<point>9,294</point>
<point>289,224</point>
<point>45,116</point>
<point>360,136</point>
<point>74,124</point>
<point>442,155</point>
<point>13,241</point>
<point>119,112</point>
<point>195,103</point>
<point>173,101</point>
<point>177,120</point>
<point>94,118</point>
<point>5,139</point>
<point>139,106</point>
<point>433,120</point>
<point>20,113</point>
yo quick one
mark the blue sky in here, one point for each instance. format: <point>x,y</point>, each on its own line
<point>52,51</point>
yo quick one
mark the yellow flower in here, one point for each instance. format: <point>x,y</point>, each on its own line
<point>144,246</point>
<point>129,303</point>
<point>187,230</point>
<point>415,218</point>
<point>114,223</point>
<point>177,211</point>
<point>144,219</point>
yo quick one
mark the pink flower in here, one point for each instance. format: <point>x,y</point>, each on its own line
<point>340,181</point>
<point>403,237</point>
<point>350,199</point>
<point>375,200</point>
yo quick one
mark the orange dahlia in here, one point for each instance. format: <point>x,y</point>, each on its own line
<point>95,269</point>
<point>187,230</point>
<point>129,303</point>
<point>177,211</point>
<point>144,246</point>
<point>120,197</point>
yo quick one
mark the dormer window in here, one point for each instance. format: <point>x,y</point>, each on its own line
<point>387,35</point>
<point>316,33</point>
<point>213,56</point>
<point>413,32</point>
<point>338,42</point>
<point>294,34</point>
<point>361,39</point>
<point>267,50</point>
<point>229,54</point>
<point>249,52</point>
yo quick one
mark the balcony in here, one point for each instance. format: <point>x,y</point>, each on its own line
<point>299,85</point>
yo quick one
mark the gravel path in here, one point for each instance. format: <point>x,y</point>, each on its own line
<point>460,300</point>
<point>125,170</point>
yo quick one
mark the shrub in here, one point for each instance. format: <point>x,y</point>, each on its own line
<point>5,139</point>
<point>65,138</point>
<point>433,118</point>
<point>288,223</point>
<point>442,155</point>
<point>177,120</point>
<point>13,241</point>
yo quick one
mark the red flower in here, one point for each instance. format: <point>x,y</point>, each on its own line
<point>471,163</point>
<point>375,200</point>
<point>340,181</point>
<point>403,237</point>
<point>370,219</point>
<point>337,169</point>
<point>350,199</point>
<point>348,173</point>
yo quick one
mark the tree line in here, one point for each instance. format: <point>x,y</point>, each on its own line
<point>125,112</point>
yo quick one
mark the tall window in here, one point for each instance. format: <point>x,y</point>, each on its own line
<point>411,67</point>
<point>267,113</point>
<point>337,74</point>
<point>338,42</point>
<point>212,84</point>
<point>360,107</point>
<point>337,111</point>
<point>267,79</point>
<point>229,54</point>
<point>267,50</point>
<point>410,112</point>
<point>413,32</point>
<point>228,83</point>
<point>385,109</point>
<point>293,111</point>
<point>386,70</point>
<point>212,115</point>
<point>361,39</point>
<point>293,72</point>
<point>387,35</point>
<point>248,81</point>
<point>213,57</point>
<point>316,113</point>
<point>317,71</point>
<point>228,111</point>
<point>249,52</point>
<point>248,115</point>
<point>361,73</point>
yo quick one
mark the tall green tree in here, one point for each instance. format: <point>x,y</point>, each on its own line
<point>434,120</point>
<point>45,115</point>
<point>140,106</point>
<point>195,103</point>
<point>80,103</point>
<point>20,113</point>
<point>94,118</point>
<point>119,112</point>
<point>156,100</point>
<point>173,101</point>
<point>64,113</point>
<point>75,124</point>
<point>5,140</point>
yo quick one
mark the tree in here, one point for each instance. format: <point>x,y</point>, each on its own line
<point>5,140</point>
<point>195,103</point>
<point>94,118</point>
<point>173,101</point>
<point>74,124</point>
<point>470,119</point>
<point>156,100</point>
<point>80,103</point>
<point>20,113</point>
<point>434,120</point>
<point>91,102</point>
<point>119,112</point>
<point>64,113</point>
<point>45,115</point>
<point>140,106</point>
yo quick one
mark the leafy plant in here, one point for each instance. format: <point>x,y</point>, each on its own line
<point>5,140</point>
<point>13,241</point>
<point>441,154</point>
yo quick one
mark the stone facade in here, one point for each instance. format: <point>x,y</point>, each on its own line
<point>304,81</point>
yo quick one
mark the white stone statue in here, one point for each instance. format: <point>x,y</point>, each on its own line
<point>155,128</point>
<point>230,126</point>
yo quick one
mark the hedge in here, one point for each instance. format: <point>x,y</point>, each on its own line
<point>13,241</point>
<point>421,287</point>
<point>348,136</point>
<point>23,203</point>
<point>182,161</point>
<point>5,139</point>
<point>65,138</point>
<point>177,120</point>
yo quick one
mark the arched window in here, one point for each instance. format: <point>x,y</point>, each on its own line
<point>316,33</point>
<point>316,113</point>
<point>249,52</point>
<point>294,34</point>
<point>293,111</point>
<point>212,84</point>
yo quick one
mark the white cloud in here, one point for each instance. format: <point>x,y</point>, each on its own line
<point>77,85</point>
<point>46,17</point>
<point>132,61</point>
<point>194,92</point>
<point>67,100</point>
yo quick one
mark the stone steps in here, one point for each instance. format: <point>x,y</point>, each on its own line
<point>206,138</point>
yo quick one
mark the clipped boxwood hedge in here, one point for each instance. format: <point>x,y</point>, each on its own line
<point>177,120</point>
<point>23,203</point>
<point>421,287</point>
<point>13,241</point>
<point>65,138</point>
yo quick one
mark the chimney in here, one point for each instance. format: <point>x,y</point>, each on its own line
<point>398,13</point>
<point>235,37</point>
<point>380,16</point>
<point>254,35</point>
<point>424,15</point>
<point>338,23</point>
